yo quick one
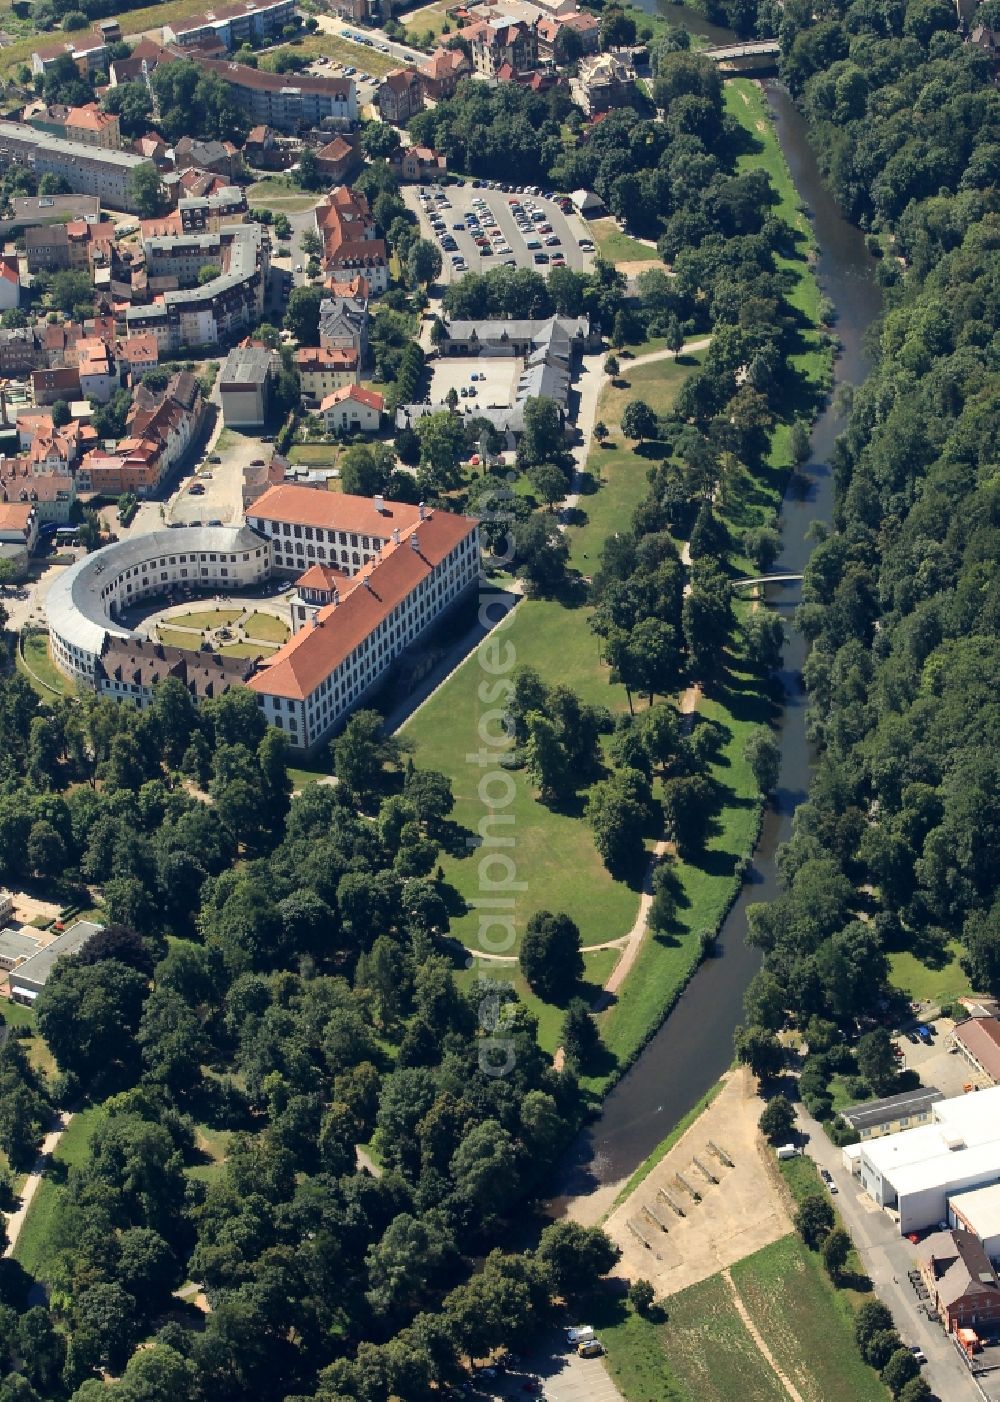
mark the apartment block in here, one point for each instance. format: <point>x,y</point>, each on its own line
<point>87,171</point>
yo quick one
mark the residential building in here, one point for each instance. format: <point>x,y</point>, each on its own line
<point>400,96</point>
<point>323,369</point>
<point>129,669</point>
<point>29,211</point>
<point>20,351</point>
<point>88,51</point>
<point>352,409</point>
<point>561,336</point>
<point>160,427</point>
<point>110,30</point>
<point>916,1171</point>
<point>978,1212</point>
<point>583,25</point>
<point>350,248</point>
<point>442,72</point>
<point>420,564</point>
<point>49,386</point>
<point>52,494</point>
<point>500,43</point>
<point>141,62</point>
<point>209,313</point>
<point>98,370</point>
<point>961,1282</point>
<point>343,318</point>
<point>338,159</point>
<point>418,163</point>
<point>87,170</point>
<point>218,157</point>
<point>245,386</point>
<point>259,477</point>
<point>978,1040</point>
<point>252,21</point>
<point>873,1118</point>
<point>137,354</point>
<point>10,283</point>
<point>91,126</point>
<point>84,602</point>
<point>286,101</point>
<point>18,530</point>
<point>28,979</point>
<point>602,82</point>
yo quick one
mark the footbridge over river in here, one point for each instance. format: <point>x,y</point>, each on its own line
<point>767,579</point>
<point>756,54</point>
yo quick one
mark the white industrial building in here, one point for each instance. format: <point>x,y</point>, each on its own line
<point>915,1173</point>
<point>978,1212</point>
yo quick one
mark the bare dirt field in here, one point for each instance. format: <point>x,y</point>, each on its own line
<point>709,1224</point>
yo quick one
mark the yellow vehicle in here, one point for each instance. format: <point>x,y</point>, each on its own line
<point>591,1349</point>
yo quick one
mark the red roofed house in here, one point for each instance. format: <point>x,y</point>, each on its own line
<point>352,410</point>
<point>91,127</point>
<point>400,96</point>
<point>418,163</point>
<point>390,571</point>
<point>18,532</point>
<point>441,73</point>
<point>323,369</point>
<point>138,353</point>
<point>350,248</point>
<point>585,26</point>
<point>495,45</point>
<point>337,159</point>
<point>10,283</point>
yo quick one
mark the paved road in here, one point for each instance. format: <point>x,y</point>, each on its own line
<point>330,25</point>
<point>887,1257</point>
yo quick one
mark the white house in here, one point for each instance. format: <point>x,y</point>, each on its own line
<point>352,409</point>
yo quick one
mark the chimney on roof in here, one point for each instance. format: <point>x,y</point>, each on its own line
<point>380,505</point>
<point>315,621</point>
<point>336,596</point>
<point>422,510</point>
<point>414,542</point>
<point>395,536</point>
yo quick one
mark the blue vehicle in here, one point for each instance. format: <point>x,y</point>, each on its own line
<point>925,1034</point>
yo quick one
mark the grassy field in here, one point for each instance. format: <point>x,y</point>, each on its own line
<point>928,983</point>
<point>44,675</point>
<point>36,1048</point>
<point>428,19</point>
<point>315,455</point>
<point>133,22</point>
<point>176,637</point>
<point>334,46</point>
<point>205,618</point>
<point>806,1323</point>
<point>277,193</point>
<point>617,470</point>
<point>617,247</point>
<point>246,650</point>
<point>266,628</point>
<point>35,1246</point>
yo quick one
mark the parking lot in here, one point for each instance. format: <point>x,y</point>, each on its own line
<point>562,1377</point>
<point>493,386</point>
<point>551,237</point>
<point>936,1064</point>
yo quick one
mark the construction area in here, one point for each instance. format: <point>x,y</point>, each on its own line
<point>709,1202</point>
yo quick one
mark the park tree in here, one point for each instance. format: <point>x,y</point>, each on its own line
<point>762,544</point>
<point>549,481</point>
<point>546,758</point>
<point>579,1036</point>
<point>541,553</point>
<point>617,29</point>
<point>763,639</point>
<point>361,753</point>
<point>550,955</point>
<point>89,1015</point>
<point>899,1370</point>
<point>575,1257</point>
<point>871,1318</point>
<point>302,316</point>
<point>619,823</point>
<point>423,263</point>
<point>836,1249</point>
<point>814,1220</point>
<point>641,1296</point>
<point>876,1057</point>
<point>879,1348</point>
<point>777,1121</point>
<point>543,437</point>
<point>638,420</point>
<point>761,752</point>
<point>759,1049</point>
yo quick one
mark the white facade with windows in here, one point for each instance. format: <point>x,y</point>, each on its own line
<point>85,602</point>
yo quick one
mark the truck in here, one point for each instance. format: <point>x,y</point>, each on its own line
<point>787,1151</point>
<point>582,1334</point>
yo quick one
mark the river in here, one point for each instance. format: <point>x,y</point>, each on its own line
<point>694,1045</point>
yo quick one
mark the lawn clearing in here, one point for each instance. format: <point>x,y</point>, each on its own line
<point>614,246</point>
<point>246,650</point>
<point>315,455</point>
<point>429,19</point>
<point>558,867</point>
<point>176,637</point>
<point>274,191</point>
<point>927,983</point>
<point>266,628</point>
<point>806,1323</point>
<point>203,619</point>
<point>333,46</point>
<point>38,667</point>
<point>36,1246</point>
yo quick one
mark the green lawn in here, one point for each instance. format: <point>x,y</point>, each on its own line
<point>266,627</point>
<point>926,982</point>
<point>614,246</point>
<point>428,19</point>
<point>806,1323</point>
<point>618,471</point>
<point>203,619</point>
<point>43,675</point>
<point>315,455</point>
<point>557,864</point>
<point>246,650</point>
<point>334,46</point>
<point>278,192</point>
<point>177,637</point>
<point>36,1245</point>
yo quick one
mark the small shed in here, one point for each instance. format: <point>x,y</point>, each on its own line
<point>588,204</point>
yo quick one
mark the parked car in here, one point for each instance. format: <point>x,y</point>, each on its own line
<point>197,489</point>
<point>592,1349</point>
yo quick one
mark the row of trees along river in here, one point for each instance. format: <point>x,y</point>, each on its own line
<point>694,1046</point>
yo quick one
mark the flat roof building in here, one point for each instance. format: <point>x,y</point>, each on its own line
<point>245,386</point>
<point>88,170</point>
<point>978,1212</point>
<point>873,1118</point>
<point>29,978</point>
<point>915,1172</point>
<point>16,945</point>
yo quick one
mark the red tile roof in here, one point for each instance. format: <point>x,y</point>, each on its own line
<point>307,659</point>
<point>323,577</point>
<point>370,398</point>
<point>333,511</point>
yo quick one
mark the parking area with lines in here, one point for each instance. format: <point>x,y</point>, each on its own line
<point>478,229</point>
